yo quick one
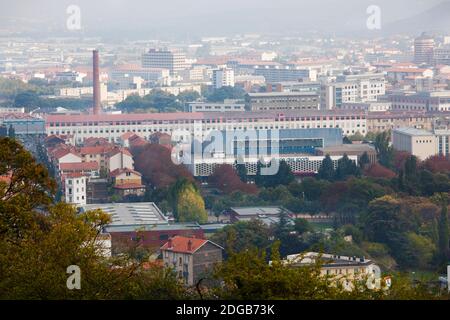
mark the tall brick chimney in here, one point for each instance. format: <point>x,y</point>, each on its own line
<point>96,77</point>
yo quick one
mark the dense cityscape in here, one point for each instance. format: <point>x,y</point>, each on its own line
<point>243,166</point>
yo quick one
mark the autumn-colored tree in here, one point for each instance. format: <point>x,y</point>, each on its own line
<point>400,159</point>
<point>40,240</point>
<point>154,162</point>
<point>226,179</point>
<point>376,170</point>
<point>438,163</point>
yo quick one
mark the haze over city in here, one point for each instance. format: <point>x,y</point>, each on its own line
<point>178,18</point>
<point>205,152</point>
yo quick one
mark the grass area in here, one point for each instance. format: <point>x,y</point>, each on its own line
<point>321,226</point>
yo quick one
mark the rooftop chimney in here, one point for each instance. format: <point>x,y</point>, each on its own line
<point>96,79</point>
<point>189,245</point>
<point>169,246</point>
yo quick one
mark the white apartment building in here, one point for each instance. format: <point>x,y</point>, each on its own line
<point>75,189</point>
<point>172,60</point>
<point>112,126</point>
<point>353,88</point>
<point>223,78</point>
<point>284,101</point>
<point>124,75</point>
<point>226,106</point>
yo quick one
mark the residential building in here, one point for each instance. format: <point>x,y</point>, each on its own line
<point>223,78</point>
<point>226,106</point>
<point>90,169</point>
<point>191,258</point>
<point>119,158</point>
<point>344,269</point>
<point>424,49</point>
<point>127,182</point>
<point>275,101</point>
<point>442,55</point>
<point>75,188</point>
<point>276,73</point>
<point>294,86</point>
<point>365,87</point>
<point>164,59</point>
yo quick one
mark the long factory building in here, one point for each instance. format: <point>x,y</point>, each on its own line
<point>112,126</point>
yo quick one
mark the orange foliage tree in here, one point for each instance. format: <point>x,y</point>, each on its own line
<point>226,179</point>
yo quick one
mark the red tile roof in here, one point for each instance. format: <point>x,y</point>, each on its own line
<point>61,152</point>
<point>81,166</point>
<point>96,149</point>
<point>74,175</point>
<point>129,186</point>
<point>119,150</point>
<point>123,117</point>
<point>119,171</point>
<point>181,244</point>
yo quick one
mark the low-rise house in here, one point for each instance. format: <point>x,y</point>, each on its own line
<point>119,158</point>
<point>127,182</point>
<point>90,169</point>
<point>338,268</point>
<point>191,258</point>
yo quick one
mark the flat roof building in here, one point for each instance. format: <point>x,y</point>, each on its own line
<point>420,143</point>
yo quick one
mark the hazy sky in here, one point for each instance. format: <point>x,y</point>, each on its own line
<point>208,17</point>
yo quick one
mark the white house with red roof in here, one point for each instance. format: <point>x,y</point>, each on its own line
<point>191,258</point>
<point>119,158</point>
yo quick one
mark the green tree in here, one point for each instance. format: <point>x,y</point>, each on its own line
<point>346,168</point>
<point>187,203</point>
<point>443,231</point>
<point>384,150</point>
<point>11,132</point>
<point>364,160</point>
<point>241,171</point>
<point>326,170</point>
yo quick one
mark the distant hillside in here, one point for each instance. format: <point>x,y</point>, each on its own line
<point>434,19</point>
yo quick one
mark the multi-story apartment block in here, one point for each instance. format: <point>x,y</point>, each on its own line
<point>274,74</point>
<point>75,188</point>
<point>164,59</point>
<point>283,101</point>
<point>424,49</point>
<point>226,106</point>
<point>352,88</point>
<point>191,258</point>
<point>223,78</point>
